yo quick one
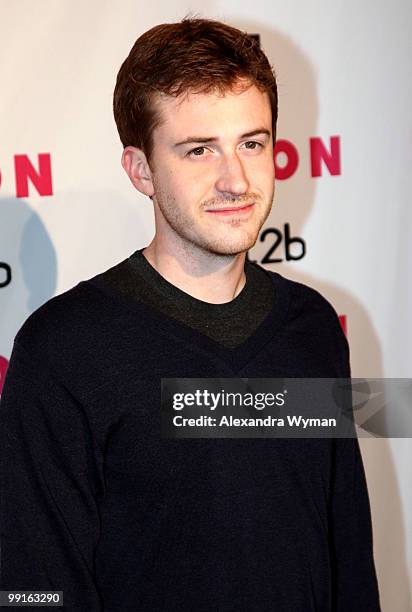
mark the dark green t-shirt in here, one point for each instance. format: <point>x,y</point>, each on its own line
<point>230,323</point>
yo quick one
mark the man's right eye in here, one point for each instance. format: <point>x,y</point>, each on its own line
<point>194,152</point>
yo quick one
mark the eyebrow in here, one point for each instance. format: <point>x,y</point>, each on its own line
<point>202,139</point>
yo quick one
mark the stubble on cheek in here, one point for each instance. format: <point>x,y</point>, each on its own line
<point>199,228</point>
<point>174,215</point>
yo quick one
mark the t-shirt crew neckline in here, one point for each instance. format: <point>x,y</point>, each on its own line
<point>234,358</point>
<point>174,294</point>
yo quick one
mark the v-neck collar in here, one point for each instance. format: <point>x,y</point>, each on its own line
<point>234,358</point>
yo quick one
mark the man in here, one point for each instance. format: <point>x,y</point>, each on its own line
<point>94,502</point>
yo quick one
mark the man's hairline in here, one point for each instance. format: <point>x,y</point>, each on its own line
<point>161,120</point>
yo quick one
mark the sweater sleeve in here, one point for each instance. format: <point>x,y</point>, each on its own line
<point>355,585</point>
<point>49,518</point>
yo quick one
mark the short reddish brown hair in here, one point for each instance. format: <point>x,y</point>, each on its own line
<point>194,55</point>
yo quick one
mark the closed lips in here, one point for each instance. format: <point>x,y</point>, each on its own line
<point>230,208</point>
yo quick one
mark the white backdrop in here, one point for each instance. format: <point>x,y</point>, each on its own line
<point>344,73</point>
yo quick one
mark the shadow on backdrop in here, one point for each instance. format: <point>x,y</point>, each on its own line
<point>27,248</point>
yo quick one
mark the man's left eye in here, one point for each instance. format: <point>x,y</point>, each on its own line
<point>255,145</point>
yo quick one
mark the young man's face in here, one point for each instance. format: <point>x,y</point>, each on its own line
<point>194,182</point>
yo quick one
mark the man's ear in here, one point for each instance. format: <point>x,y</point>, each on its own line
<point>137,168</point>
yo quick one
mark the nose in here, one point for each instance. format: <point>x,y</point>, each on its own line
<point>232,179</point>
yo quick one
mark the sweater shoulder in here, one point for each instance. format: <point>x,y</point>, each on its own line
<point>66,322</point>
<point>306,300</point>
<point>311,314</point>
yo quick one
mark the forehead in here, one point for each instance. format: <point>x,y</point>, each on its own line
<point>234,111</point>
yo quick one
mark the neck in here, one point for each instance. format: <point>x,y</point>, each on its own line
<point>205,276</point>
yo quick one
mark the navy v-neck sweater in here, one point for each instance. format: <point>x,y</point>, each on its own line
<point>96,504</point>
<point>230,323</point>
